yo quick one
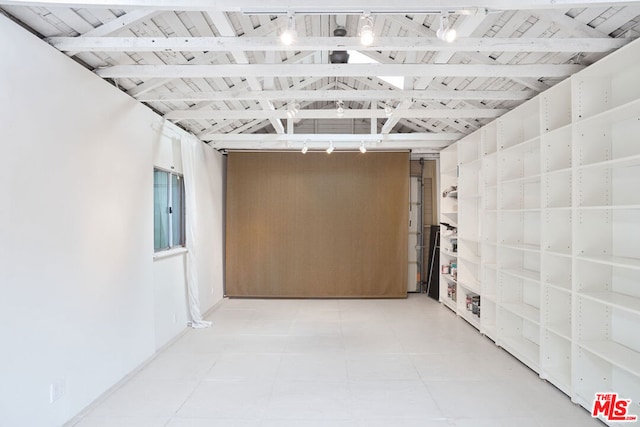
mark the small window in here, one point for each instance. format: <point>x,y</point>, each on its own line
<point>168,210</point>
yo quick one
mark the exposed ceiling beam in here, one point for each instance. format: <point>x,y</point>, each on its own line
<point>235,44</point>
<point>331,114</point>
<point>288,141</point>
<point>121,23</point>
<point>326,6</point>
<point>338,70</point>
<point>399,111</point>
<point>224,26</point>
<point>334,95</point>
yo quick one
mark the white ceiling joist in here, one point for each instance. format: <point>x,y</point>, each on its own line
<point>288,141</point>
<point>324,7</point>
<point>331,114</point>
<point>228,44</point>
<point>337,70</point>
<point>335,95</point>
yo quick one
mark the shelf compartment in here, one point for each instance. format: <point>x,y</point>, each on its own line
<point>489,138</point>
<point>449,159</point>
<point>522,264</point>
<point>595,374</point>
<point>520,296</point>
<point>469,148</point>
<point>520,229</point>
<point>609,332</point>
<point>469,217</point>
<point>613,286</point>
<point>556,360</point>
<point>519,125</point>
<point>556,150</point>
<point>520,194</point>
<point>517,164</point>
<point>610,186</point>
<point>615,354</point>
<point>556,189</point>
<point>469,249</point>
<point>490,198</point>
<point>557,311</point>
<point>488,315</point>
<point>450,304</point>
<point>490,170</point>
<point>608,236</point>
<point>489,226</point>
<point>525,311</point>
<point>468,302</point>
<point>609,138</point>
<point>519,337</point>
<point>601,98</point>
<point>448,253</point>
<point>469,182</point>
<point>489,254</point>
<point>556,271</point>
<point>556,231</point>
<point>555,106</point>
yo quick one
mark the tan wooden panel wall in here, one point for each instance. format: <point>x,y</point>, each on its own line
<point>317,225</point>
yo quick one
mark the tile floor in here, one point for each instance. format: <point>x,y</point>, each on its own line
<point>343,363</point>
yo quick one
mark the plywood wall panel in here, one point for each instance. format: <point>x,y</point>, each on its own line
<point>317,225</point>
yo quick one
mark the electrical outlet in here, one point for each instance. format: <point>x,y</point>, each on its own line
<point>57,390</point>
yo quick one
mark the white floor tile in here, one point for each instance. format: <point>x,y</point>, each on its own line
<point>145,398</point>
<point>244,367</point>
<point>392,399</point>
<point>122,422</point>
<point>381,367</point>
<point>227,399</point>
<point>319,367</point>
<point>179,366</point>
<point>309,400</point>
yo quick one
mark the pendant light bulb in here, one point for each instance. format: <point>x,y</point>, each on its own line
<point>445,32</point>
<point>340,109</point>
<point>387,109</point>
<point>330,149</point>
<point>363,149</point>
<point>305,148</point>
<point>366,32</point>
<point>289,35</point>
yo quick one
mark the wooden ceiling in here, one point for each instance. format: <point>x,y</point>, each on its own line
<point>219,70</point>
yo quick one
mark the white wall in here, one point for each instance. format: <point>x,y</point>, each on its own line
<point>80,295</point>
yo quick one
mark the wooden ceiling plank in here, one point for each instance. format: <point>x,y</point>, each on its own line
<point>327,6</point>
<point>338,70</point>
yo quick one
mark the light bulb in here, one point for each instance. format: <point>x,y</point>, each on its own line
<point>366,35</point>
<point>330,149</point>
<point>363,149</point>
<point>340,109</point>
<point>288,36</point>
<point>387,109</point>
<point>305,149</point>
<point>449,35</point>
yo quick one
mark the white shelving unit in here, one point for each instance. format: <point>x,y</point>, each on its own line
<point>548,216</point>
<point>449,236</point>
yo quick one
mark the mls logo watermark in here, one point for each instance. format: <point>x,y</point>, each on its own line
<point>612,408</point>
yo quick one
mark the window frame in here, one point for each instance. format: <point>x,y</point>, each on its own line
<point>171,211</point>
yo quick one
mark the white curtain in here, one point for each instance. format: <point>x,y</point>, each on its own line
<point>188,148</point>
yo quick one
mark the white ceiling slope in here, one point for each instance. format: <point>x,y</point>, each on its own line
<point>219,70</point>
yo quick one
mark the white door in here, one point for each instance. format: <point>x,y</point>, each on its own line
<point>413,280</point>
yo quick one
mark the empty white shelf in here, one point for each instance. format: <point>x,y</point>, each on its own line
<point>624,302</point>
<point>615,354</point>
<point>526,311</point>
